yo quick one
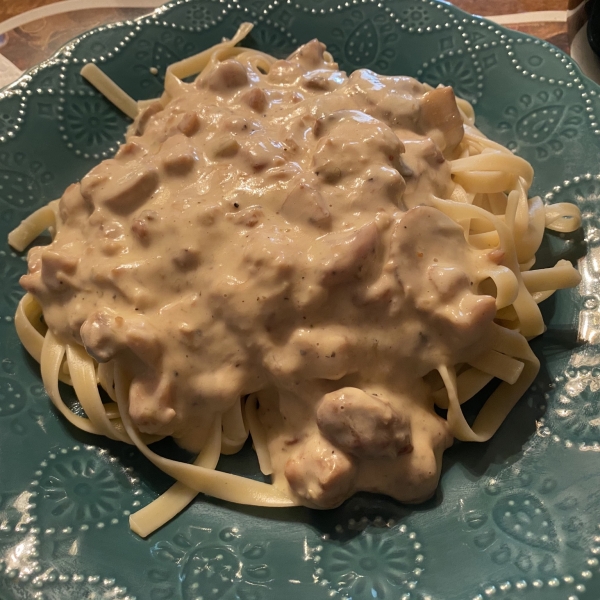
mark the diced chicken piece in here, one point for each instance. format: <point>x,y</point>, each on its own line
<point>322,80</point>
<point>143,341</point>
<point>56,267</point>
<point>150,403</point>
<point>436,280</point>
<point>139,125</point>
<point>256,99</point>
<point>342,255</point>
<point>209,215</point>
<point>53,262</point>
<point>178,155</point>
<point>130,150</point>
<point>94,180</point>
<point>439,111</point>
<point>135,187</point>
<point>284,71</point>
<point>144,224</point>
<point>471,316</point>
<point>310,56</point>
<point>415,479</point>
<point>187,259</point>
<point>324,353</point>
<point>448,281</point>
<point>384,181</point>
<point>305,204</point>
<point>350,120</point>
<point>412,239</point>
<point>391,99</point>
<point>121,188</point>
<point>102,335</point>
<point>237,124</point>
<point>227,76</point>
<point>192,337</point>
<point>363,425</point>
<point>34,260</point>
<point>225,147</point>
<point>269,269</point>
<point>248,217</point>
<point>328,161</point>
<point>221,385</point>
<point>349,141</point>
<point>430,152</point>
<point>263,155</point>
<point>73,206</point>
<point>112,230</point>
<point>316,82</point>
<point>113,237</point>
<point>125,279</point>
<point>282,172</point>
<point>76,318</point>
<point>32,281</point>
<point>189,124</point>
<point>321,474</point>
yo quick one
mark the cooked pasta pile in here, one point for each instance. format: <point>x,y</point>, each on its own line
<point>285,252</point>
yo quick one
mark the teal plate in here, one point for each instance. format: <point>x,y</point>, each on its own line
<point>518,517</point>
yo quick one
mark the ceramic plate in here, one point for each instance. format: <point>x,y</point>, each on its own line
<point>515,518</point>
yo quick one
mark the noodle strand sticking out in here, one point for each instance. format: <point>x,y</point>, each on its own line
<point>284,251</point>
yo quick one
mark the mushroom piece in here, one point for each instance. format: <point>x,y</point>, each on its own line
<point>439,111</point>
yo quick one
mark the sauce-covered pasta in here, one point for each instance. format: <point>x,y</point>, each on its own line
<point>316,257</point>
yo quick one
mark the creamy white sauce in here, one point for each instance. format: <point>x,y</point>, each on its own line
<point>271,234</point>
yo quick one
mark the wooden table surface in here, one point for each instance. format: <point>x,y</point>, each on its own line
<point>31,42</point>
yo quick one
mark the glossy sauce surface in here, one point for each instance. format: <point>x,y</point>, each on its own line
<point>270,233</point>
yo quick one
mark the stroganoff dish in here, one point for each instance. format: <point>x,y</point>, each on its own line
<point>315,258</point>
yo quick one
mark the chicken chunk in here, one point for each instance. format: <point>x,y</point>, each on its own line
<point>120,187</point>
<point>101,335</point>
<point>150,404</point>
<point>342,255</point>
<point>73,207</point>
<point>305,204</point>
<point>227,76</point>
<point>321,474</point>
<point>363,425</point>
